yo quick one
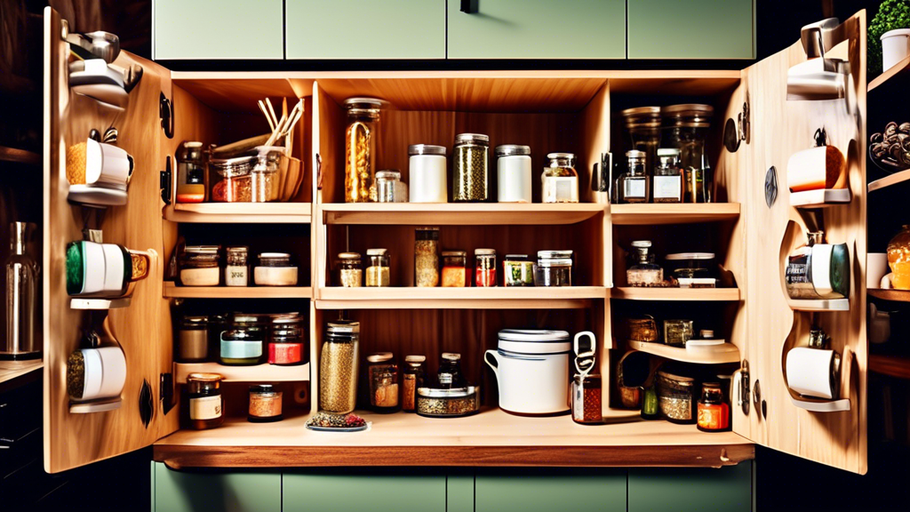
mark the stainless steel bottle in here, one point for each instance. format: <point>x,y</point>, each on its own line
<point>21,298</point>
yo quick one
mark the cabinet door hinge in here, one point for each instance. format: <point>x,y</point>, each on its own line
<point>745,392</point>
<point>166,392</point>
<point>165,182</point>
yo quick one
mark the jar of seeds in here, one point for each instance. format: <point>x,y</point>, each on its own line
<point>338,367</point>
<point>350,275</point>
<point>471,167</point>
<point>413,377</point>
<point>426,257</point>
<point>383,374</point>
<point>378,273</point>
<point>676,397</point>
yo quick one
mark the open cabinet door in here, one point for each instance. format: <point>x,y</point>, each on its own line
<point>831,432</point>
<point>142,329</point>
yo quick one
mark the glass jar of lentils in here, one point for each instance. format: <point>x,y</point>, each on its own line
<point>338,367</point>
<point>426,257</point>
<point>471,167</point>
<point>378,273</point>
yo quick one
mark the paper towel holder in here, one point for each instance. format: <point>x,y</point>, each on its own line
<point>821,404</point>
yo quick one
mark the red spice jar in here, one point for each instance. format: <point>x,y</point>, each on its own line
<point>484,267</point>
<point>713,411</point>
<point>286,345</point>
<point>586,399</point>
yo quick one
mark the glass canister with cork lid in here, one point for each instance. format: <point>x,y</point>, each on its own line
<point>471,167</point>
<point>359,142</point>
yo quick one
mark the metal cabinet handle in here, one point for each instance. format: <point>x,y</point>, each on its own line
<point>469,6</point>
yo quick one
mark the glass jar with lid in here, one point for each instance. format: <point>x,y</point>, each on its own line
<point>350,273</point>
<point>513,173</point>
<point>275,269</point>
<point>676,397</point>
<point>338,367</point>
<point>643,125</point>
<point>243,342</point>
<point>200,265</point>
<point>471,167</point>
<point>560,180</point>
<point>191,179</point>
<point>383,374</point>
<point>237,269</point>
<point>899,259</point>
<point>426,257</point>
<point>454,265</point>
<point>713,411</point>
<point>205,405</point>
<point>413,377</point>
<point>685,127</point>
<point>554,268</point>
<point>193,339</point>
<point>359,143</point>
<point>265,174</point>
<point>389,187</point>
<point>235,184</point>
<point>484,267</point>
<point>450,375</point>
<point>379,271</point>
<point>634,185</point>
<point>265,404</point>
<point>518,270</point>
<point>286,342</point>
<point>668,177</point>
<point>644,272</point>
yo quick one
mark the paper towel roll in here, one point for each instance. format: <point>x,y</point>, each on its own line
<point>813,372</point>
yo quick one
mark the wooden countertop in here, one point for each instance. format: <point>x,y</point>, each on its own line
<point>10,370</point>
<point>490,438</point>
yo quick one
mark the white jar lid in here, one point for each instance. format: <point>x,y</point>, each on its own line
<point>426,149</point>
<point>532,341</point>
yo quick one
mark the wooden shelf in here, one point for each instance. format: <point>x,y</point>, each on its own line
<point>888,365</point>
<point>819,304</point>
<point>10,370</point>
<point>99,406</point>
<point>491,438</point>
<point>258,373</point>
<point>819,405</point>
<point>99,304</point>
<point>500,297</point>
<point>891,179</point>
<point>890,73</point>
<point>171,290</point>
<point>247,213</point>
<point>890,294</point>
<point>446,214</point>
<point>680,213</point>
<point>675,294</point>
<point>822,198</point>
<point>726,353</point>
<point>19,156</point>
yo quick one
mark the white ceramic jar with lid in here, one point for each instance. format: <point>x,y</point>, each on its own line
<point>532,371</point>
<point>427,169</point>
<point>513,173</point>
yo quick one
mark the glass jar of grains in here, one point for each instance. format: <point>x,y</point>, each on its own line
<point>518,270</point>
<point>484,267</point>
<point>206,407</point>
<point>454,273</point>
<point>383,374</point>
<point>471,167</point>
<point>237,269</point>
<point>350,275</point>
<point>378,273</point>
<point>338,367</point>
<point>413,377</point>
<point>676,397</point>
<point>265,404</point>
<point>426,259</point>
<point>199,266</point>
<point>359,141</point>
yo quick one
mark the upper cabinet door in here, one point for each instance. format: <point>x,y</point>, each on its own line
<point>832,432</point>
<point>366,29</point>
<point>693,29</point>
<point>222,29</point>
<point>74,436</point>
<point>537,29</point>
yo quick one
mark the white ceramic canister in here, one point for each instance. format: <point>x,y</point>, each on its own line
<point>513,173</point>
<point>895,47</point>
<point>427,169</point>
<point>96,373</point>
<point>532,371</point>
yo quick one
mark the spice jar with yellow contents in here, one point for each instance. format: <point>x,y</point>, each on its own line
<point>350,275</point>
<point>454,273</point>
<point>383,372</point>
<point>426,257</point>
<point>378,273</point>
<point>359,141</point>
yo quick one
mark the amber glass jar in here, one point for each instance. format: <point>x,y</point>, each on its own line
<point>899,259</point>
<point>206,407</point>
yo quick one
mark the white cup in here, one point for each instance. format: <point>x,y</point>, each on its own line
<point>876,268</point>
<point>895,47</point>
<point>107,165</point>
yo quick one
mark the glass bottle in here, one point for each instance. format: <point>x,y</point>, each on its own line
<point>484,267</point>
<point>685,127</point>
<point>265,185</point>
<point>426,257</point>
<point>471,167</point>
<point>243,343</point>
<point>237,269</point>
<point>383,372</point>
<point>350,274</point>
<point>643,124</point>
<point>413,377</point>
<point>389,188</point>
<point>21,294</point>
<point>191,182</point>
<point>338,367</point>
<point>668,177</point>
<point>450,375</point>
<point>899,259</point>
<point>205,404</point>
<point>560,180</point>
<point>359,141</point>
<point>634,185</point>
<point>379,271</point>
<point>649,408</point>
<point>644,272</point>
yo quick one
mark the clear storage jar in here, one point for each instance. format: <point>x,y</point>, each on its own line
<point>359,142</point>
<point>191,178</point>
<point>454,269</point>
<point>243,342</point>
<point>265,174</point>
<point>199,266</point>
<point>193,339</point>
<point>383,374</point>
<point>676,397</point>
<point>413,377</point>
<point>685,127</point>
<point>518,270</point>
<point>389,187</point>
<point>237,268</point>
<point>427,169</point>
<point>379,271</point>
<point>275,269</point>
<point>426,257</point>
<point>513,173</point>
<point>235,183</point>
<point>287,345</point>
<point>554,268</point>
<point>560,180</point>
<point>338,367</point>
<point>350,272</point>
<point>471,167</point>
<point>643,125</point>
<point>484,267</point>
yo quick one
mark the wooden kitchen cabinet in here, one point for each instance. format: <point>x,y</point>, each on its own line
<point>215,491</point>
<point>697,29</point>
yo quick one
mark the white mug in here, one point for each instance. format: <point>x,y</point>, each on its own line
<point>876,268</point>
<point>107,165</point>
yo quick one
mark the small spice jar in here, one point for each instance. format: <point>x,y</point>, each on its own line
<point>650,409</point>
<point>350,275</point>
<point>427,167</point>
<point>413,377</point>
<point>586,399</point>
<point>454,274</point>
<point>237,270</point>
<point>383,374</point>
<point>448,403</point>
<point>554,268</point>
<point>471,167</point>
<point>265,174</point>
<point>286,343</point>
<point>235,185</point>
<point>643,329</point>
<point>644,272</point>
<point>265,404</point>
<point>713,411</point>
<point>379,271</point>
<point>338,367</point>
<point>200,266</point>
<point>206,407</point>
<point>676,397</point>
<point>513,173</point>
<point>243,343</point>
<point>678,332</point>
<point>484,267</point>
<point>389,187</point>
<point>426,259</point>
<point>518,270</point>
<point>275,269</point>
<point>193,339</point>
<point>450,375</point>
<point>560,180</point>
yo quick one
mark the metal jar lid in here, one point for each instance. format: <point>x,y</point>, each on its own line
<point>484,252</point>
<point>668,152</point>
<point>561,156</point>
<point>454,253</point>
<point>554,255</point>
<point>690,115</point>
<point>426,149</point>
<point>634,153</point>
<point>690,256</point>
<point>348,256</point>
<point>201,249</point>
<point>472,138</point>
<point>343,327</point>
<point>447,393</point>
<point>388,174</point>
<point>516,257</point>
<point>451,356</point>
<point>641,111</point>
<point>512,149</point>
<point>373,252</point>
<point>379,357</point>
<point>361,104</point>
<point>415,358</point>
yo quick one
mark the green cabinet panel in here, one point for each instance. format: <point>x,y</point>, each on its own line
<point>366,29</point>
<point>460,490</point>
<point>378,490</point>
<point>215,491</point>
<point>538,29</point>
<point>217,29</point>
<point>691,29</point>
<point>550,489</point>
<point>728,489</point>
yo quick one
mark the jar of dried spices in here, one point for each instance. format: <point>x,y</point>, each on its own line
<point>644,272</point>
<point>518,270</point>
<point>379,272</point>
<point>243,343</point>
<point>713,411</point>
<point>235,184</point>
<point>560,180</point>
<point>586,398</point>
<point>383,374</point>
<point>265,174</point>
<point>450,375</point>
<point>413,377</point>
<point>206,407</point>
<point>193,339</point>
<point>359,141</point>
<point>338,367</point>
<point>471,167</point>
<point>286,343</point>
<point>426,259</point>
<point>484,267</point>
<point>199,266</point>
<point>275,269</point>
<point>676,397</point>
<point>237,270</point>
<point>350,275</point>
<point>265,404</point>
<point>453,269</point>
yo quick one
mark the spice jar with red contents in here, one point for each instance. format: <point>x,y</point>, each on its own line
<point>587,387</point>
<point>484,267</point>
<point>286,343</point>
<point>713,411</point>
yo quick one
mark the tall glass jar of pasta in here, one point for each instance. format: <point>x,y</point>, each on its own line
<point>359,142</point>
